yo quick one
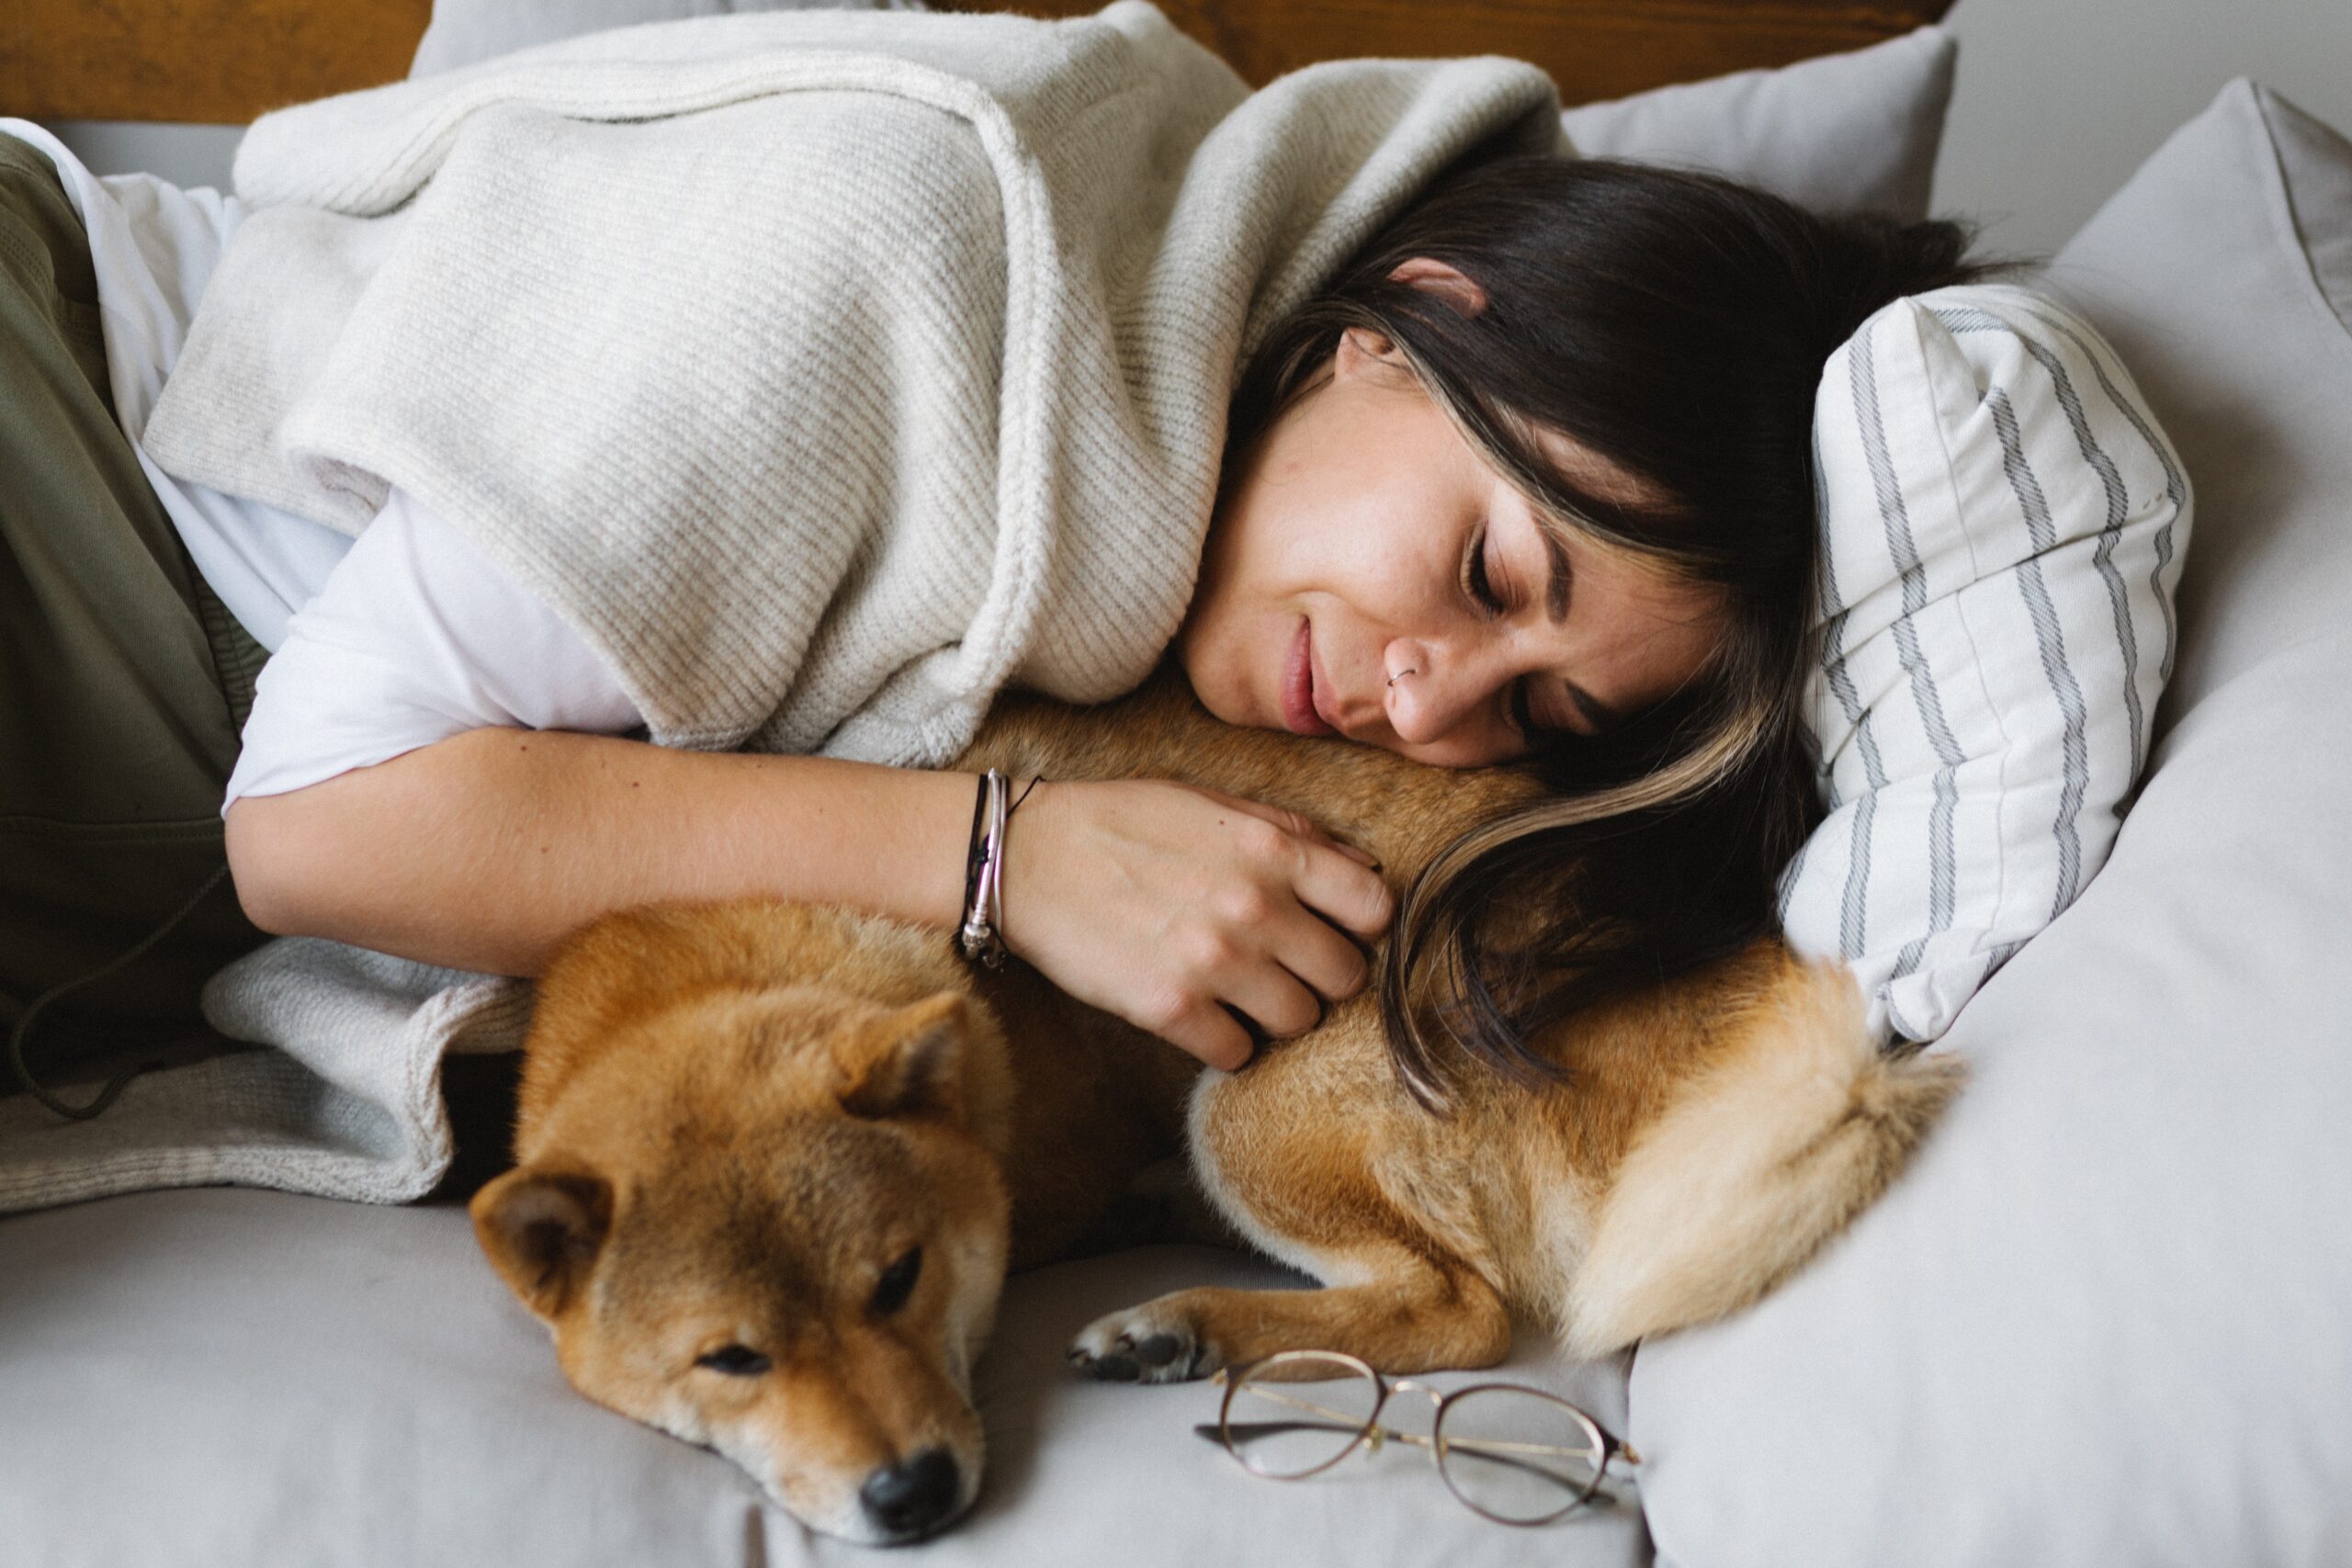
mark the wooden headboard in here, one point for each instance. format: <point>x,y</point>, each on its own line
<point>226,61</point>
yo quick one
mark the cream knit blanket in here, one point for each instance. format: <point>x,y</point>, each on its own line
<point>826,370</point>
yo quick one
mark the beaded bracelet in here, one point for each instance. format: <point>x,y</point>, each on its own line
<point>981,938</point>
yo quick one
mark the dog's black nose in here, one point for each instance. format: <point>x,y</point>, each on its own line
<point>914,1495</point>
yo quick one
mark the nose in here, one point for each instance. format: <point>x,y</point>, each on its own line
<point>914,1495</point>
<point>1434,686</point>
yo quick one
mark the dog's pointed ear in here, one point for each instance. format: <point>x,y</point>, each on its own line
<point>909,1062</point>
<point>542,1229</point>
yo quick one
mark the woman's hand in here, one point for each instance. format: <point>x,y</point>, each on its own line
<point>1166,904</point>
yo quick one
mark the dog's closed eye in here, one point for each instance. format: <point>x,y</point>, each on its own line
<point>898,1282</point>
<point>735,1361</point>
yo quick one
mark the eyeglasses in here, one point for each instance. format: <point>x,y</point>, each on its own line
<point>1513,1454</point>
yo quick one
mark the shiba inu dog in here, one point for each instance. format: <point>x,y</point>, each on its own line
<point>775,1159</point>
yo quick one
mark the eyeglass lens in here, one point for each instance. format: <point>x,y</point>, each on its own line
<point>1516,1455</point>
<point>1296,1415</point>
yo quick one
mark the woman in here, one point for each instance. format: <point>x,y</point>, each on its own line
<point>1528,481</point>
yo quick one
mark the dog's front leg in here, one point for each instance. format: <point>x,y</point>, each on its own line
<point>1403,1316</point>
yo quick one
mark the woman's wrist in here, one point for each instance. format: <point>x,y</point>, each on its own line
<point>917,862</point>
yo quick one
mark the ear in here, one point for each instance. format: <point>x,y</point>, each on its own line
<point>910,1062</point>
<point>1361,348</point>
<point>1457,288</point>
<point>542,1230</point>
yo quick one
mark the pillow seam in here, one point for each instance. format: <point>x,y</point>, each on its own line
<point>2280,199</point>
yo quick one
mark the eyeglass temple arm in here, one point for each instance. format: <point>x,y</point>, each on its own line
<point>1217,1434</point>
<point>1615,1447</point>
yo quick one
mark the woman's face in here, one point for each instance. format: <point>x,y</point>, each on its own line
<point>1370,574</point>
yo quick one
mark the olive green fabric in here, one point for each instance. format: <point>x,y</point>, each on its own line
<point>123,680</point>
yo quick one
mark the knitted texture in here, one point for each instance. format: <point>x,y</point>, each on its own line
<point>825,370</point>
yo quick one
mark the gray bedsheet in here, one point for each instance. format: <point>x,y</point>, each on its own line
<point>221,1377</point>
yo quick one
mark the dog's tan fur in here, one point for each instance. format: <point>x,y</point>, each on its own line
<point>734,1119</point>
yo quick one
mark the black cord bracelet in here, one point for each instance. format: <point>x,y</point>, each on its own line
<point>980,937</point>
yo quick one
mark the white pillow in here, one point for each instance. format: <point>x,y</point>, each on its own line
<point>1842,133</point>
<point>2104,1318</point>
<point>2003,525</point>
<point>463,32</point>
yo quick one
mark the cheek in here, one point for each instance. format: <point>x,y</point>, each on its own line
<point>1480,747</point>
<point>954,1307</point>
<point>1202,649</point>
<point>1663,653</point>
<point>1222,642</point>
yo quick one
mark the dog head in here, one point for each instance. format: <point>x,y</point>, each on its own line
<point>767,1219</point>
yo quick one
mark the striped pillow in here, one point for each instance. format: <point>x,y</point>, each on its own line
<point>2002,528</point>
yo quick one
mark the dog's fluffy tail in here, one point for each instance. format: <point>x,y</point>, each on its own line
<point>1756,1162</point>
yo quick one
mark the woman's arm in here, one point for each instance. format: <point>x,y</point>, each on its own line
<point>482,852</point>
<point>1162,903</point>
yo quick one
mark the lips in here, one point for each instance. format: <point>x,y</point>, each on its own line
<point>1298,687</point>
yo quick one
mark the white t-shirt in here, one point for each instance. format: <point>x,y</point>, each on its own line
<point>404,637</point>
<point>415,637</point>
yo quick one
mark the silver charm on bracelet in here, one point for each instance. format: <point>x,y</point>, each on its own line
<point>980,938</point>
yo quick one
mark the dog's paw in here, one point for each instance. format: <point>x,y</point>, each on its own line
<point>1150,1343</point>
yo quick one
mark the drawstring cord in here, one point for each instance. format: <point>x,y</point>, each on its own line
<point>23,1029</point>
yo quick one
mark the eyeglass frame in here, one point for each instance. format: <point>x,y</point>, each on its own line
<point>1370,1434</point>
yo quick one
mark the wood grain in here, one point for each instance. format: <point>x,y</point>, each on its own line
<point>1593,49</point>
<point>226,61</point>
<point>217,60</point>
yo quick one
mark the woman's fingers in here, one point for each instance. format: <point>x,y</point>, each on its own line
<point>1350,895</point>
<point>1332,967</point>
<point>1191,913</point>
<point>1212,1035</point>
<point>1273,999</point>
<point>1335,879</point>
<point>1295,823</point>
<point>1218,1030</point>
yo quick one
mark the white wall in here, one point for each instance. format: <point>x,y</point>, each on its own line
<point>2059,100</point>
<point>186,155</point>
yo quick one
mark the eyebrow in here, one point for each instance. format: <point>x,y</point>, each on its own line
<point>1601,713</point>
<point>1555,610</point>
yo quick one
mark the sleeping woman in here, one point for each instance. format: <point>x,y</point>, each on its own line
<point>684,564</point>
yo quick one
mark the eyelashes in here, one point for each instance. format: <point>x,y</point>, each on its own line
<point>1474,577</point>
<point>1482,592</point>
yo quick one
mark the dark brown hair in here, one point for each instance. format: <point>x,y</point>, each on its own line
<point>1676,324</point>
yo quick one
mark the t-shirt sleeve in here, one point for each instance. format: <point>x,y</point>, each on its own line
<point>415,636</point>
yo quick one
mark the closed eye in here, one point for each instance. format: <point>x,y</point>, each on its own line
<point>1474,575</point>
<point>898,1282</point>
<point>735,1361</point>
<point>1481,588</point>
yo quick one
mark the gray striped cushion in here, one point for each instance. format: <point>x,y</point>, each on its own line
<point>2003,525</point>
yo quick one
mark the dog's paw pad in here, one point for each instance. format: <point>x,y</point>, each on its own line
<point>1113,1362</point>
<point>1113,1368</point>
<point>1135,1347</point>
